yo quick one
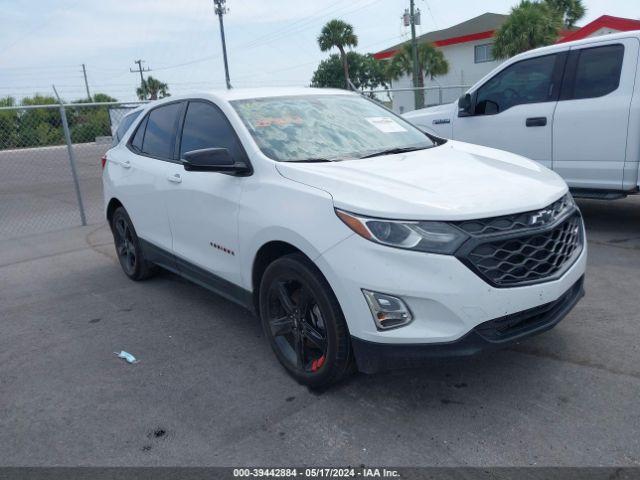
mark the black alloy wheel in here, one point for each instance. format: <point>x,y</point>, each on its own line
<point>124,245</point>
<point>128,248</point>
<point>304,323</point>
<point>297,325</point>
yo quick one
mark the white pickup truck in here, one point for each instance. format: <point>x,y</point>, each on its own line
<point>574,107</point>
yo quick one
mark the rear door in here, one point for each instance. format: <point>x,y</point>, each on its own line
<point>513,110</point>
<point>592,117</point>
<point>152,160</point>
<point>203,206</point>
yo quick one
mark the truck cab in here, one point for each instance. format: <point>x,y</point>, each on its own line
<point>573,107</point>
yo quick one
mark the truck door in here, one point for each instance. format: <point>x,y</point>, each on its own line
<point>592,116</point>
<point>513,110</point>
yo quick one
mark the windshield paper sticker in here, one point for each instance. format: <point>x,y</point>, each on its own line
<point>386,124</point>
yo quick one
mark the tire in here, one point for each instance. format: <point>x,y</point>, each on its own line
<point>128,248</point>
<point>304,323</point>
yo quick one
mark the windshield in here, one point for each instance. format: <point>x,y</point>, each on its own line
<point>325,127</point>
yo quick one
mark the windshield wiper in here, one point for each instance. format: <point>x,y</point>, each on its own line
<point>391,151</point>
<point>311,160</point>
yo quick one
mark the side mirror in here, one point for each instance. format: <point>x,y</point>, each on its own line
<point>212,160</point>
<point>464,105</point>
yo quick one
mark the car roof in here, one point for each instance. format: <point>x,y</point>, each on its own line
<point>252,93</point>
<point>585,41</point>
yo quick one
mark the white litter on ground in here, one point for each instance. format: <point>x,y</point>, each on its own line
<point>126,356</point>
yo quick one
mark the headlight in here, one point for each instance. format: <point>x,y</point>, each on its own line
<point>433,237</point>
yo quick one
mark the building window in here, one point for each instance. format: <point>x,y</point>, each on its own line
<point>483,53</point>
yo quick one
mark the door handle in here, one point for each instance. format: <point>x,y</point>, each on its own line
<point>176,178</point>
<point>536,122</point>
<point>125,164</point>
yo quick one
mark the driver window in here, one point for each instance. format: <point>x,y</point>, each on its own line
<point>528,81</point>
<point>205,126</point>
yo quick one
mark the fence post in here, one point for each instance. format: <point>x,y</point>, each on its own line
<point>440,95</point>
<point>72,158</point>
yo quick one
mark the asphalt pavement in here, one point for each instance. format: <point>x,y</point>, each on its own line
<point>207,390</point>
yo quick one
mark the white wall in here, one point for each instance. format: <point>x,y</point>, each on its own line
<point>603,31</point>
<point>462,71</point>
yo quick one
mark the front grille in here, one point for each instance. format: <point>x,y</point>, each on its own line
<point>516,221</point>
<point>515,250</point>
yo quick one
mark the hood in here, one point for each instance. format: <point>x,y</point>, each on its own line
<point>455,181</point>
<point>444,109</point>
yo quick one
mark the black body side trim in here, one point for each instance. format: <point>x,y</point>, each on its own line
<point>599,194</point>
<point>198,275</point>
<point>372,357</point>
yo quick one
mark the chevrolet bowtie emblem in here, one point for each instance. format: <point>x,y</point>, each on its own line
<point>541,217</point>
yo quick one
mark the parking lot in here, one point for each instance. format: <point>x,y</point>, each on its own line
<point>208,391</point>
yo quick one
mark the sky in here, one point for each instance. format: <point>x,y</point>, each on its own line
<point>269,42</point>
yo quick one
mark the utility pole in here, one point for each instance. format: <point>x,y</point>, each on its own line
<point>417,95</point>
<point>220,10</point>
<point>86,83</point>
<point>140,69</point>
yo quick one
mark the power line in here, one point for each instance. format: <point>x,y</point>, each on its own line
<point>277,34</point>
<point>16,40</point>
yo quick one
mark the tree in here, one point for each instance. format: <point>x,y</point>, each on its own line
<point>530,25</point>
<point>88,123</point>
<point>365,71</point>
<point>97,98</point>
<point>570,11</point>
<point>36,127</point>
<point>40,126</point>
<point>8,124</point>
<point>152,89</point>
<point>338,34</point>
<point>431,63</point>
<point>103,97</point>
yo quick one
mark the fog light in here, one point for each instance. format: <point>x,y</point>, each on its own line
<point>388,311</point>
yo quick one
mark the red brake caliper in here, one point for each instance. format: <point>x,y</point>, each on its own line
<point>317,363</point>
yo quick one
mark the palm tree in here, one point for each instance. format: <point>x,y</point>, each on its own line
<point>338,34</point>
<point>152,89</point>
<point>530,25</point>
<point>431,63</point>
<point>569,10</point>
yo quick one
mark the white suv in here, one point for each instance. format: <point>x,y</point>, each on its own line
<point>358,240</point>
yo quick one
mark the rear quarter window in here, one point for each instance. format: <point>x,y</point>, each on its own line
<point>598,71</point>
<point>126,122</point>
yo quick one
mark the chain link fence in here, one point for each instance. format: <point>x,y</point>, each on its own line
<point>402,100</point>
<point>51,173</point>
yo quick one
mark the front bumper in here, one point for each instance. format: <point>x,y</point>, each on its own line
<point>446,298</point>
<point>373,357</point>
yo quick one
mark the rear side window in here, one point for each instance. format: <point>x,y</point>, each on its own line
<point>598,71</point>
<point>160,131</point>
<point>138,137</point>
<point>528,81</point>
<point>205,126</point>
<point>124,126</point>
